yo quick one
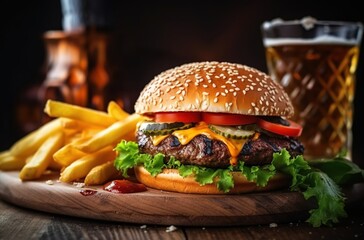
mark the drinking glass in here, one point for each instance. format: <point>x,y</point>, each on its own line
<point>316,62</point>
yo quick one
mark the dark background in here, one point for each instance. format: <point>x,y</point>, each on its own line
<point>147,38</point>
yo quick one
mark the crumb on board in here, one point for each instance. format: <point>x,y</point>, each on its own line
<point>273,225</point>
<point>79,184</point>
<point>49,182</point>
<point>171,228</point>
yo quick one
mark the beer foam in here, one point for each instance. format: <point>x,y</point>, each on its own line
<point>321,40</point>
<point>309,23</point>
<point>306,22</point>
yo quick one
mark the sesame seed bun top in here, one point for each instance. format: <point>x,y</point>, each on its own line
<point>214,87</point>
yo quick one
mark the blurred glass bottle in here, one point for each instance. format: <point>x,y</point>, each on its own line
<point>76,65</point>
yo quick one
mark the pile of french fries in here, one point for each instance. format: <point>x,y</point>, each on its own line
<point>78,142</point>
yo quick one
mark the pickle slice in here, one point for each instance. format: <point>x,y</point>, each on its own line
<point>154,128</point>
<point>231,132</point>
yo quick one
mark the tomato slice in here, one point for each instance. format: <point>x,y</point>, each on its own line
<point>186,117</point>
<point>228,119</point>
<point>293,130</point>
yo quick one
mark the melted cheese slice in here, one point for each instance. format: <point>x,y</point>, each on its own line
<point>185,136</point>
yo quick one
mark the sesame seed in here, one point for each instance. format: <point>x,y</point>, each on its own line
<point>228,106</point>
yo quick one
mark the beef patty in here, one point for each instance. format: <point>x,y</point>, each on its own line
<point>206,152</point>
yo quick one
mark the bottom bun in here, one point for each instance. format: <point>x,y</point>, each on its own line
<point>170,180</point>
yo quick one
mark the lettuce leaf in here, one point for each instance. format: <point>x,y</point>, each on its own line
<point>329,198</point>
<point>339,169</point>
<point>311,182</point>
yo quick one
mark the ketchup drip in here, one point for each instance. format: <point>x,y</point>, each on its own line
<point>124,186</point>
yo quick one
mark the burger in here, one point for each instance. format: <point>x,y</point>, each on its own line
<point>211,128</point>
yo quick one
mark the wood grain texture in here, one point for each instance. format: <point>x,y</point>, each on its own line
<point>18,223</point>
<point>157,207</point>
<point>22,223</point>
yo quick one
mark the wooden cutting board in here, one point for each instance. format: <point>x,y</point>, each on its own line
<point>160,207</point>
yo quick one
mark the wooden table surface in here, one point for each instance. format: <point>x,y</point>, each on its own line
<point>20,223</point>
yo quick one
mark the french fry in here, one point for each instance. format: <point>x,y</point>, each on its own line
<point>78,125</point>
<point>101,174</point>
<point>4,154</point>
<point>8,162</point>
<point>67,154</point>
<point>116,111</point>
<point>130,136</point>
<point>28,159</point>
<point>78,143</point>
<point>30,143</point>
<point>42,158</point>
<point>81,167</point>
<point>53,165</point>
<point>80,136</point>
<point>110,135</point>
<point>88,133</point>
<point>87,115</point>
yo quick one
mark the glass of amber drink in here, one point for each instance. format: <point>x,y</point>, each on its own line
<point>316,61</point>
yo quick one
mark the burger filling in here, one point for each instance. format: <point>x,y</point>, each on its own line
<point>211,151</point>
<point>203,151</point>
